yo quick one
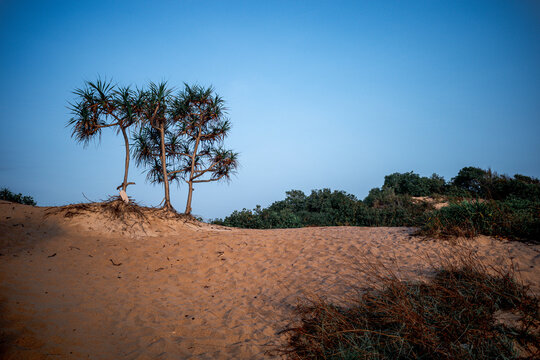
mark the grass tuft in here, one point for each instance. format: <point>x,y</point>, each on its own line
<point>465,311</point>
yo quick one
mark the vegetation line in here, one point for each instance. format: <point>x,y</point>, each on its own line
<point>474,202</point>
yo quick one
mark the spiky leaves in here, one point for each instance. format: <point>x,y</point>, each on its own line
<point>155,104</point>
<point>203,128</point>
<point>127,105</point>
<point>183,138</point>
<point>89,112</point>
<point>100,105</point>
<point>209,165</point>
<point>151,146</point>
<point>147,153</point>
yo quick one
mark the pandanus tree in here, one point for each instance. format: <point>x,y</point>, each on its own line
<point>100,105</point>
<point>182,138</point>
<point>150,144</point>
<point>199,143</point>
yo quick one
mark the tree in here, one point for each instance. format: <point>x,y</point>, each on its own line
<point>150,146</point>
<point>198,144</point>
<point>471,179</point>
<point>101,105</point>
<point>407,183</point>
<point>437,184</point>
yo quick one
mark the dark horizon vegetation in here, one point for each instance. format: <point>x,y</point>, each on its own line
<point>476,202</point>
<point>6,194</point>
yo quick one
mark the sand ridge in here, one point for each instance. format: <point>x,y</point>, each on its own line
<point>82,287</point>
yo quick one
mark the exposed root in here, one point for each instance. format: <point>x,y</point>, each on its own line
<point>129,215</point>
<point>113,207</point>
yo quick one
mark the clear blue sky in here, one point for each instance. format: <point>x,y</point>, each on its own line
<point>321,94</point>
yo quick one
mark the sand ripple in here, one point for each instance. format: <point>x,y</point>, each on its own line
<point>187,292</point>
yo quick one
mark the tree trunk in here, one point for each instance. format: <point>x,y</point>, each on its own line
<point>167,204</point>
<point>190,194</point>
<point>126,169</point>
<point>190,182</point>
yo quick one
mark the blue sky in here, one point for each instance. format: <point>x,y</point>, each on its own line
<point>330,94</point>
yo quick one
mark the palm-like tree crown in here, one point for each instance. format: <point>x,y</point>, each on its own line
<point>204,127</point>
<point>102,104</point>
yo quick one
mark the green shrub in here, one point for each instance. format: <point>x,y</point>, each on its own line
<point>515,218</point>
<point>414,185</point>
<point>330,208</point>
<point>512,209</point>
<point>487,184</point>
<point>377,196</point>
<point>246,219</point>
<point>321,208</point>
<point>389,209</point>
<point>471,179</point>
<point>455,192</point>
<point>7,195</point>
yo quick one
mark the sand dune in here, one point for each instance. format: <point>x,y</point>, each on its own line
<point>86,287</point>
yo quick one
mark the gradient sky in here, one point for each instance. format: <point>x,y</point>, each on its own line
<point>320,94</point>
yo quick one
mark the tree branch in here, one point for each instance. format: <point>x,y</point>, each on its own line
<point>175,153</point>
<point>119,121</point>
<point>175,172</point>
<point>202,181</point>
<point>153,116</point>
<point>129,183</point>
<point>202,172</point>
<point>106,126</point>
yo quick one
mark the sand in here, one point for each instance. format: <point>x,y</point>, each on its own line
<point>84,287</point>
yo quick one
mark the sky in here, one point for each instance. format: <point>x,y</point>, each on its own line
<point>320,94</point>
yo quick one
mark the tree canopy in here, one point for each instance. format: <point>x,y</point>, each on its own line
<point>100,105</point>
<point>176,137</point>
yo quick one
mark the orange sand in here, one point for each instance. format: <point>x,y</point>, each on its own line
<point>184,291</point>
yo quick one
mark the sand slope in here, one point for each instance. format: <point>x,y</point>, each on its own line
<point>84,287</point>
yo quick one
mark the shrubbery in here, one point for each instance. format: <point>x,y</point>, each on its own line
<point>7,195</point>
<point>481,202</point>
<point>330,208</point>
<point>414,185</point>
<point>515,218</point>
<point>470,182</point>
<point>487,184</point>
<point>458,314</point>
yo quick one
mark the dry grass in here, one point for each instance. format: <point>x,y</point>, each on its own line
<point>465,311</point>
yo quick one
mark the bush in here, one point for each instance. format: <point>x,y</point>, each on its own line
<point>458,314</point>
<point>487,184</point>
<point>388,209</point>
<point>471,179</point>
<point>7,195</point>
<point>245,218</point>
<point>515,218</point>
<point>320,208</point>
<point>511,209</point>
<point>455,192</point>
<point>414,185</point>
<point>330,208</point>
<point>471,182</point>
